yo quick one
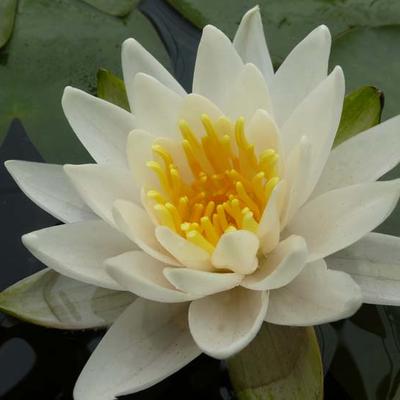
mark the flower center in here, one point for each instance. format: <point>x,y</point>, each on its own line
<point>230,187</point>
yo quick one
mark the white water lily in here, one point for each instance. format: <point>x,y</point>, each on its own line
<point>217,207</point>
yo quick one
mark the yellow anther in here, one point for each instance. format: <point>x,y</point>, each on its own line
<point>209,230</point>
<point>183,208</point>
<point>156,196</point>
<point>197,212</point>
<point>221,217</point>
<point>258,187</point>
<point>175,215</point>
<point>156,167</point>
<point>161,152</point>
<point>269,187</point>
<point>249,223</point>
<point>230,228</point>
<point>164,216</point>
<point>247,199</point>
<point>198,239</point>
<point>209,209</point>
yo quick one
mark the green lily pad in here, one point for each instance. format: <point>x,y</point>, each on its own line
<point>118,8</point>
<point>362,110</point>
<point>8,9</point>
<point>55,301</point>
<point>366,34</point>
<point>280,363</point>
<point>57,44</point>
<point>111,88</point>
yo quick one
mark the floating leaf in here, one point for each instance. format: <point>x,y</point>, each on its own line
<point>118,8</point>
<point>64,42</point>
<point>111,88</point>
<point>49,299</point>
<point>362,109</point>
<point>281,363</point>
<point>8,9</point>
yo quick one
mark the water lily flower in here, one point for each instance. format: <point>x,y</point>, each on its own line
<point>219,209</point>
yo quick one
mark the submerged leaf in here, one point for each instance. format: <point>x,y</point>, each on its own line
<point>281,363</point>
<point>111,88</point>
<point>362,109</point>
<point>8,9</point>
<point>49,299</point>
<point>118,8</point>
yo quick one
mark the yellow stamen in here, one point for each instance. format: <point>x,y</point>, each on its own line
<point>230,187</point>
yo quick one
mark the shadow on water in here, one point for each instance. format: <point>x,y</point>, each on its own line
<point>361,355</point>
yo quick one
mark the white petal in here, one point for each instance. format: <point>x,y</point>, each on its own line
<point>139,152</point>
<point>317,118</point>
<point>279,267</point>
<point>135,223</point>
<point>201,283</point>
<point>363,158</point>
<point>187,253</point>
<point>217,66</point>
<point>142,275</point>
<point>302,70</point>
<point>102,127</point>
<point>262,132</point>
<point>269,227</point>
<point>316,296</point>
<point>236,251</point>
<point>248,94</point>
<point>156,107</point>
<point>78,250</point>
<point>250,43</point>
<point>136,59</point>
<point>336,219</point>
<point>225,323</point>
<point>48,187</point>
<point>297,172</point>
<point>100,185</point>
<point>374,263</point>
<point>147,343</point>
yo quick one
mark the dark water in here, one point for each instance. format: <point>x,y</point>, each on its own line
<point>361,355</point>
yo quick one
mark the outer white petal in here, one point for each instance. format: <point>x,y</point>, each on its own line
<point>250,43</point>
<point>187,253</point>
<point>316,296</point>
<point>336,219</point>
<point>223,324</point>
<point>147,343</point>
<point>156,107</point>
<point>236,251</point>
<point>136,224</point>
<point>217,66</point>
<point>100,185</point>
<point>269,227</point>
<point>302,70</point>
<point>78,250</point>
<point>102,127</point>
<point>248,94</point>
<point>48,187</point>
<point>201,283</point>
<point>136,59</point>
<point>297,172</point>
<point>142,275</point>
<point>280,267</point>
<point>363,158</point>
<point>317,117</point>
<point>374,263</point>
